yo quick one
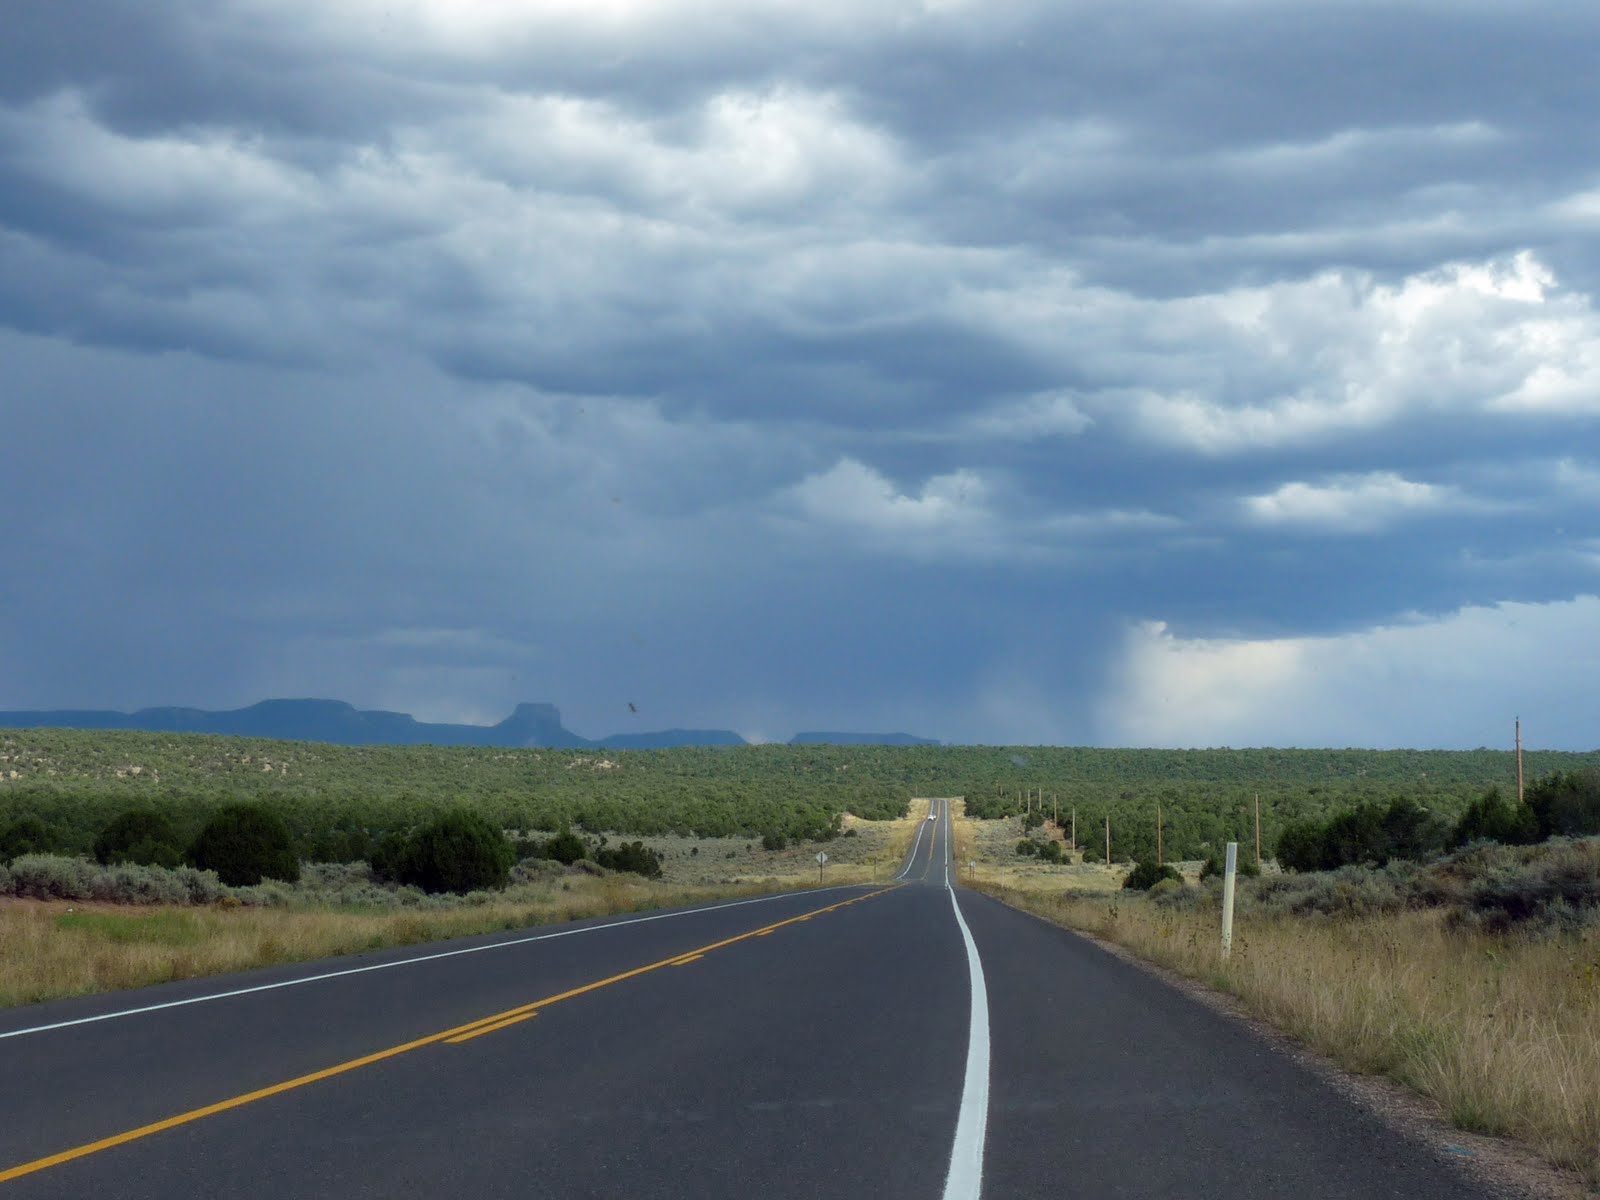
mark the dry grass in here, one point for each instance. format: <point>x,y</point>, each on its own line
<point>53,949</point>
<point>993,846</point>
<point>1500,1031</point>
<point>870,854</point>
<point>56,949</point>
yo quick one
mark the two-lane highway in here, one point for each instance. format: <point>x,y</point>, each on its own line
<point>912,1040</point>
<point>932,852</point>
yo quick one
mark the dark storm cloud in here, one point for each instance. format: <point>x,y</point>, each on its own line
<point>999,366</point>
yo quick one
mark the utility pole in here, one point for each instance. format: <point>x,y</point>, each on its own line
<point>1108,839</point>
<point>1258,831</point>
<point>1519,762</point>
<point>1055,801</point>
<point>1074,826</point>
<point>1158,835</point>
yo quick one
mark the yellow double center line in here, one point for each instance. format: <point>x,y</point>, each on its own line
<point>455,1036</point>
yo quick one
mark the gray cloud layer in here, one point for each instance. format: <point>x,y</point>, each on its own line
<point>780,365</point>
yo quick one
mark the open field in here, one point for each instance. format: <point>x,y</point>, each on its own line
<point>339,799</point>
<point>1499,1030</point>
<point>993,846</point>
<point>867,852</point>
<point>64,948</point>
<point>56,948</point>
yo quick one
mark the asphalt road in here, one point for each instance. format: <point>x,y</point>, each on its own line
<point>828,1043</point>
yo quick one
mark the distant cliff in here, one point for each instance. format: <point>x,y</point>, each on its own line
<point>345,725</point>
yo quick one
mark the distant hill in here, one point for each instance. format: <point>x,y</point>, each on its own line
<point>860,739</point>
<point>341,724</point>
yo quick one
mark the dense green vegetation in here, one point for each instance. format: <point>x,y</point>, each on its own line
<point>140,835</point>
<point>244,844</point>
<point>340,802</point>
<point>1563,804</point>
<point>1146,875</point>
<point>458,851</point>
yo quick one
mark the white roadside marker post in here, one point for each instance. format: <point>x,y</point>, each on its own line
<point>1230,869</point>
<point>822,857</point>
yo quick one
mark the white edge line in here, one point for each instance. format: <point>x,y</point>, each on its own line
<point>408,962</point>
<point>905,871</point>
<point>965,1178</point>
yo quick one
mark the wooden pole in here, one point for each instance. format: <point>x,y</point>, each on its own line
<point>1108,839</point>
<point>1258,831</point>
<point>1158,835</point>
<point>1074,826</point>
<point>1055,801</point>
<point>1519,762</point>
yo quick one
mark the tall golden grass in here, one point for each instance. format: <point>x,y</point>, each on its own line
<point>1502,1031</point>
<point>49,952</point>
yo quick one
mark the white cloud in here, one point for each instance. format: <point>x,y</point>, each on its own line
<point>1351,503</point>
<point>740,151</point>
<point>1293,363</point>
<point>1450,681</point>
<point>853,494</point>
<point>962,516</point>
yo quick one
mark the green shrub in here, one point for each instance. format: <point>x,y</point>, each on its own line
<point>1146,875</point>
<point>52,877</point>
<point>1050,852</point>
<point>1300,846</point>
<point>244,844</point>
<point>25,835</point>
<point>631,856</point>
<point>773,841</point>
<point>142,836</point>
<point>386,856</point>
<point>458,852</point>
<point>1166,887</point>
<point>1348,892</point>
<point>566,848</point>
<point>1027,847</point>
<point>1556,885</point>
<point>1412,832</point>
<point>1566,805</point>
<point>1355,837</point>
<point>1369,834</point>
<point>1492,818</point>
<point>1244,864</point>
